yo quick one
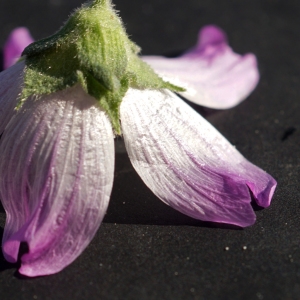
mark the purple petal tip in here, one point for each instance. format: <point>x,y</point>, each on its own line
<point>211,35</point>
<point>264,198</point>
<point>17,41</point>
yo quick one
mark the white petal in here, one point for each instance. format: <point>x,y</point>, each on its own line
<point>187,163</point>
<point>212,74</point>
<point>56,171</point>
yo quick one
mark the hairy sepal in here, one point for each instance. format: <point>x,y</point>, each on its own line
<point>92,49</point>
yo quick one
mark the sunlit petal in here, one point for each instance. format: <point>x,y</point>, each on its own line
<point>56,174</point>
<point>187,163</point>
<point>213,75</point>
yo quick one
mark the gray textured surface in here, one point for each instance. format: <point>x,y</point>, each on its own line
<point>144,249</point>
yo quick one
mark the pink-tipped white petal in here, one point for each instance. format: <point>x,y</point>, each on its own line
<point>11,81</point>
<point>187,163</point>
<point>56,174</point>
<point>212,74</point>
<point>17,41</point>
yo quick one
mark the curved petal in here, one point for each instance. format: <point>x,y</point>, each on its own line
<point>56,170</point>
<point>213,75</point>
<point>17,41</point>
<point>11,81</point>
<point>187,163</point>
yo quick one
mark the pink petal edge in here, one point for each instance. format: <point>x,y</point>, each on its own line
<point>213,75</point>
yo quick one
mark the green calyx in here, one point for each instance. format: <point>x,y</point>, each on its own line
<point>92,49</point>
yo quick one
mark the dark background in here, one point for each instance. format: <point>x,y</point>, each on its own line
<point>146,250</point>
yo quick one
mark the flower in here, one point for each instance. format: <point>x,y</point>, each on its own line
<point>57,149</point>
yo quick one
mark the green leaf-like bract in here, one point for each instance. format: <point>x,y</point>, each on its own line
<point>91,49</point>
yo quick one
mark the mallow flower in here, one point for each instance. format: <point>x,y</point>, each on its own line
<point>61,106</point>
